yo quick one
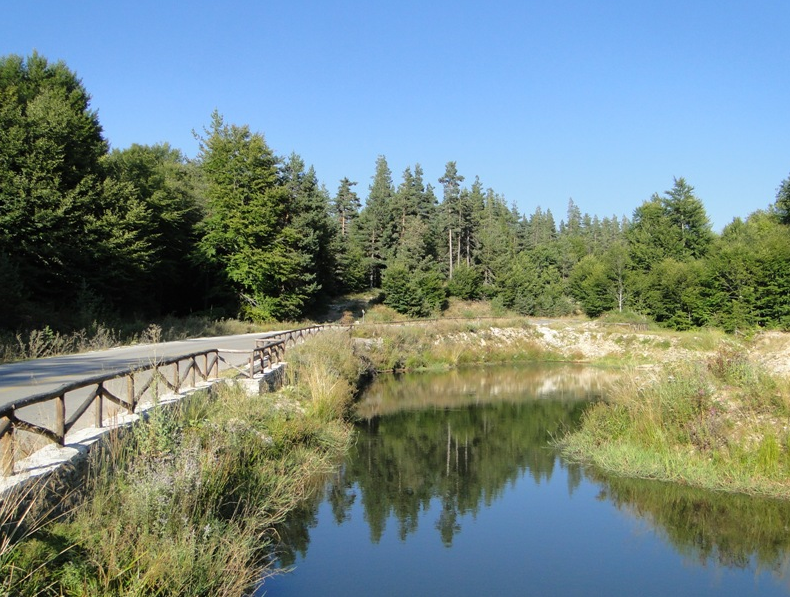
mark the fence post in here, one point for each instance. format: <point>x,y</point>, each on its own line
<point>6,447</point>
<point>97,402</point>
<point>192,373</point>
<point>130,393</point>
<point>60,418</point>
<point>215,366</point>
<point>176,378</point>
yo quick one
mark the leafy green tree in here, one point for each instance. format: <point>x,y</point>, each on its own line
<point>244,230</point>
<point>50,147</point>
<point>66,233</point>
<point>590,283</point>
<point>465,283</point>
<point>619,266</point>
<point>166,186</point>
<point>676,294</point>
<point>782,205</point>
<point>416,294</point>
<point>123,251</point>
<point>733,273</point>
<point>749,274</point>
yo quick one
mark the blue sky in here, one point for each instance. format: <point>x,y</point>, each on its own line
<point>600,101</point>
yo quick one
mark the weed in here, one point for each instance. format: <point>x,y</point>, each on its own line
<point>768,454</point>
<point>185,503</point>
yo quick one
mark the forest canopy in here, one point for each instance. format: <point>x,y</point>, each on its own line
<point>88,234</point>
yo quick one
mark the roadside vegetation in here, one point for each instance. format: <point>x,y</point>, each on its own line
<point>48,342</point>
<point>185,503</point>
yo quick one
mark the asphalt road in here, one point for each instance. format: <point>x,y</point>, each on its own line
<point>25,378</point>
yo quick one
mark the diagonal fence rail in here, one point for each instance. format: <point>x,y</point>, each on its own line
<point>124,389</point>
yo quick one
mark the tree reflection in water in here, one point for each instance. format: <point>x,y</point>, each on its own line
<point>462,438</point>
<point>734,531</point>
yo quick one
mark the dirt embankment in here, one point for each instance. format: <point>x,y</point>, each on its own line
<point>601,342</point>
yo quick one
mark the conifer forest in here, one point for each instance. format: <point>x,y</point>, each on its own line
<point>90,233</point>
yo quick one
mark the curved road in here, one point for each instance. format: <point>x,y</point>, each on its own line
<point>25,378</point>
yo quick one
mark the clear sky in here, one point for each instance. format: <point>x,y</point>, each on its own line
<point>600,101</point>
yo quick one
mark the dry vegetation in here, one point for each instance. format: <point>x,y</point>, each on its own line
<point>185,503</point>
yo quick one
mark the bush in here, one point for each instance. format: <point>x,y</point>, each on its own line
<point>413,294</point>
<point>465,283</point>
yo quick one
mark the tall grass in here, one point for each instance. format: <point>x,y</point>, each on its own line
<point>185,503</point>
<point>719,424</point>
<point>327,372</point>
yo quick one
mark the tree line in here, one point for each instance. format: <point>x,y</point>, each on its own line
<point>90,233</point>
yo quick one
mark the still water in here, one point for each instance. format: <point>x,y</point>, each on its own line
<point>453,489</point>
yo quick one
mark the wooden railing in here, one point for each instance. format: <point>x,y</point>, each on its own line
<point>174,373</point>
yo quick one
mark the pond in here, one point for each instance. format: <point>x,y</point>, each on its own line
<point>453,488</point>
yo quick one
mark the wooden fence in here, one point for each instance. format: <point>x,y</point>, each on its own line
<point>173,373</point>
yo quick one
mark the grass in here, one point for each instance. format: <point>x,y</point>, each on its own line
<point>47,342</point>
<point>720,424</point>
<point>450,343</point>
<point>185,503</point>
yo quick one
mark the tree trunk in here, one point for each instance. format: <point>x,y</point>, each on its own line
<point>450,238</point>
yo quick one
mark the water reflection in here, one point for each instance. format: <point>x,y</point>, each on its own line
<point>483,385</point>
<point>707,528</point>
<point>438,449</point>
<point>460,436</point>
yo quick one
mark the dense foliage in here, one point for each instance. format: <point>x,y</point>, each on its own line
<point>87,234</point>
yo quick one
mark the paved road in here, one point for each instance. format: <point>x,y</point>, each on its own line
<point>26,378</point>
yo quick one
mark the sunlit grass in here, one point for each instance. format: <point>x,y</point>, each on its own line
<point>185,503</point>
<point>450,343</point>
<point>719,423</point>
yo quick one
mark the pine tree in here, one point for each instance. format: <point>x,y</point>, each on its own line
<point>453,212</point>
<point>782,205</point>
<point>689,225</point>
<point>373,226</point>
<point>497,241</point>
<point>308,237</point>
<point>345,205</point>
